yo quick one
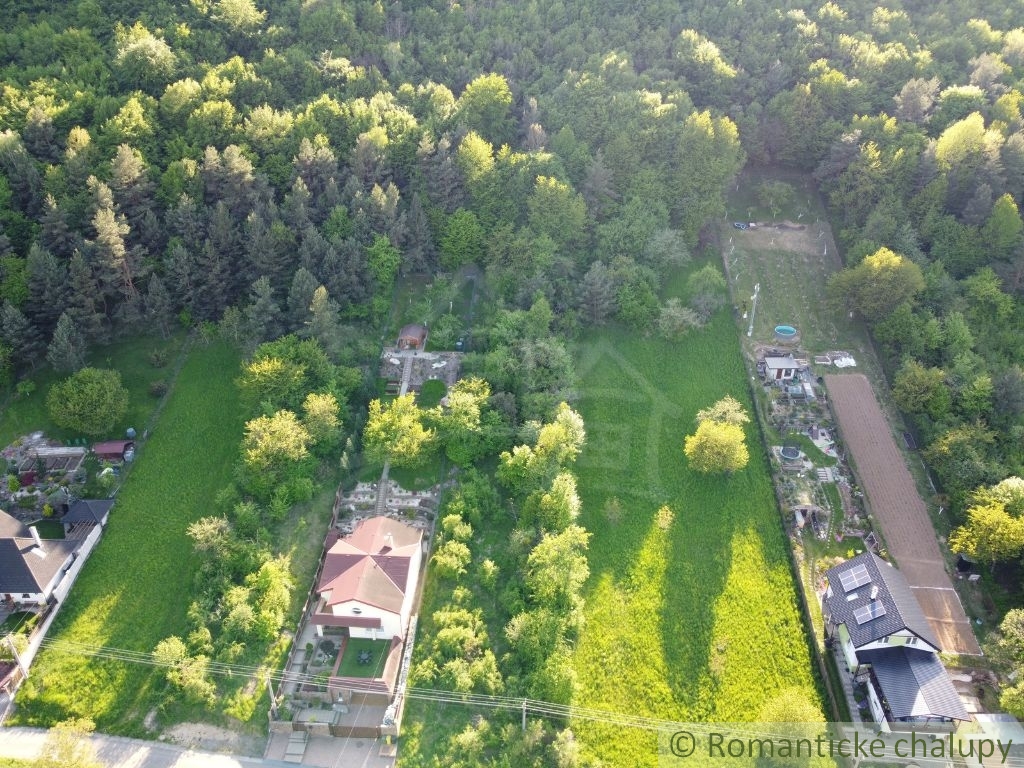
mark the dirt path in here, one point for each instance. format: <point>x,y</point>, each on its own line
<point>899,510</point>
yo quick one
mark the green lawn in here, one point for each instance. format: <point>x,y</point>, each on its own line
<point>431,393</point>
<point>134,358</point>
<point>136,587</point>
<point>13,622</point>
<point>699,621</point>
<point>49,529</point>
<point>350,666</point>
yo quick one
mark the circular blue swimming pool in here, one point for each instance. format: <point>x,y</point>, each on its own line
<point>785,332</point>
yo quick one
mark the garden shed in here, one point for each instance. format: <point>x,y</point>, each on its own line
<point>412,336</point>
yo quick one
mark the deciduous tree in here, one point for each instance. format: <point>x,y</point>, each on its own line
<point>395,432</point>
<point>90,401</point>
<point>717,446</point>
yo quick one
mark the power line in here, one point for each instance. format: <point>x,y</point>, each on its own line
<point>534,707</point>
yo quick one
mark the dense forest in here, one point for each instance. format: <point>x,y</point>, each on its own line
<point>275,168</point>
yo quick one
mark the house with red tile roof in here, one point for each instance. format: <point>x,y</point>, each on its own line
<point>368,581</point>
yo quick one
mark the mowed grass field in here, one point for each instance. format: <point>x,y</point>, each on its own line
<point>136,586</point>
<point>699,620</point>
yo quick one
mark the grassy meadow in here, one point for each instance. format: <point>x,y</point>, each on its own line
<point>140,361</point>
<point>696,620</point>
<point>136,587</point>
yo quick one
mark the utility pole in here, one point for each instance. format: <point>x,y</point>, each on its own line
<point>524,715</point>
<point>753,309</point>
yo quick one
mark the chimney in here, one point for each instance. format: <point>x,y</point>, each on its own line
<point>874,592</point>
<point>35,536</point>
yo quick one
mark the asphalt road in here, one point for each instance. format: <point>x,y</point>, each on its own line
<point>118,752</point>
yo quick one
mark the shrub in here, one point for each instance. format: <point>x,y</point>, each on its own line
<point>158,388</point>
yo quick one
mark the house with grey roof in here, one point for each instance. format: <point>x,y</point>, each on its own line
<point>873,618</point>
<point>31,568</point>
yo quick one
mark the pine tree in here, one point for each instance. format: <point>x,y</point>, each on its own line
<point>296,206</point>
<point>83,299</point>
<point>323,324</point>
<point>55,235</point>
<point>182,275</point>
<point>67,348</point>
<point>211,283</point>
<point>115,261</point>
<point>224,237</point>
<point>131,187</point>
<point>159,309</point>
<point>47,286</point>
<point>314,250</point>
<point>264,318</point>
<point>597,294</point>
<point>39,135</point>
<point>188,221</point>
<point>300,297</point>
<point>21,336</point>
<point>419,255</point>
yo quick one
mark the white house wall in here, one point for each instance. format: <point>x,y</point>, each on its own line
<point>897,639</point>
<point>877,711</point>
<point>81,555</point>
<point>390,622</point>
<point>410,589</point>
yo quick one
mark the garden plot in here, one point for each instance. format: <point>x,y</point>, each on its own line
<point>899,510</point>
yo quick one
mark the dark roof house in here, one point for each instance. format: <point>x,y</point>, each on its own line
<point>871,611</point>
<point>91,511</point>
<point>30,567</point>
<point>874,600</point>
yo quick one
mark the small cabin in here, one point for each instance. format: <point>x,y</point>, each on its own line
<point>781,368</point>
<point>114,450</point>
<point>413,337</point>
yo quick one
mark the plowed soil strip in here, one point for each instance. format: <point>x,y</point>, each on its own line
<point>899,510</point>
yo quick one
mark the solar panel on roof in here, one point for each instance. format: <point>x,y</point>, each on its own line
<point>854,577</point>
<point>866,613</point>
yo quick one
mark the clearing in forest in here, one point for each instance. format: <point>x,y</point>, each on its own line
<point>696,619</point>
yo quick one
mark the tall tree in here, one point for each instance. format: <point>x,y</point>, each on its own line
<point>23,338</point>
<point>67,348</point>
<point>597,294</point>
<point>264,318</point>
<point>300,298</point>
<point>83,299</point>
<point>47,285</point>
<point>877,285</point>
<point>159,309</point>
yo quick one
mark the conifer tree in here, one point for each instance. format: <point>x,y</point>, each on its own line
<point>67,347</point>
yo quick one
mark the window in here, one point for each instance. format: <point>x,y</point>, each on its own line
<point>357,609</point>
